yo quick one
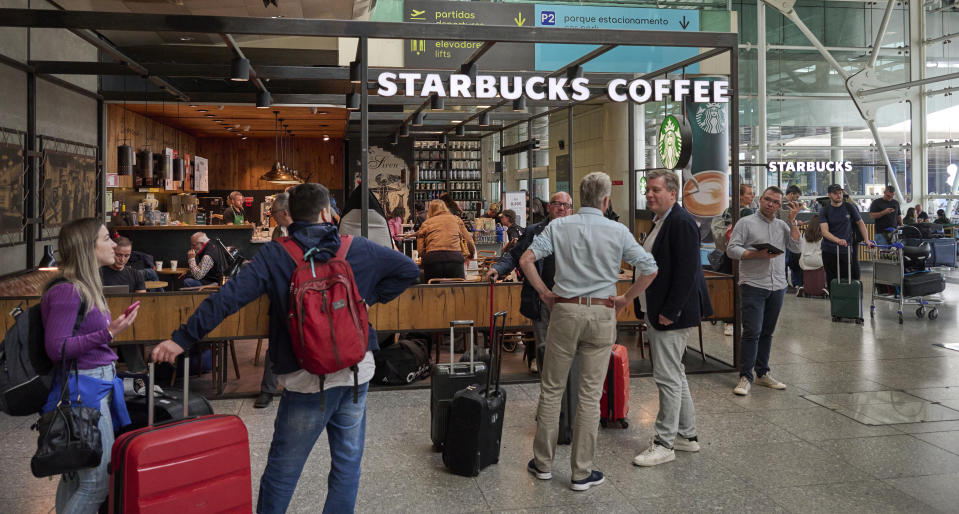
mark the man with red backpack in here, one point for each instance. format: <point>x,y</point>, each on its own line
<point>328,390</point>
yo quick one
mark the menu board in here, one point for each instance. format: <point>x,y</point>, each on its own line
<point>201,182</point>
<point>516,200</point>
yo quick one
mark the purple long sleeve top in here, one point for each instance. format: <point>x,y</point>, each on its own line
<point>91,344</point>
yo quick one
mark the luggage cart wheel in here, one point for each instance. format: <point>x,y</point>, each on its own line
<point>900,318</point>
<point>933,313</point>
<point>835,319</point>
<point>872,311</point>
<point>920,312</point>
<point>860,321</point>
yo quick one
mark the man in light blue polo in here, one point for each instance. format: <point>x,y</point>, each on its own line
<point>588,249</point>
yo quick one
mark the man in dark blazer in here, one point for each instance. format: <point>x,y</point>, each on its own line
<point>674,304</point>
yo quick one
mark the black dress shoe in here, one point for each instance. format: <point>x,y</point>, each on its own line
<point>263,401</point>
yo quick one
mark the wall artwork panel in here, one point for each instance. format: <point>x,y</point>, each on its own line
<point>68,189</point>
<point>11,193</point>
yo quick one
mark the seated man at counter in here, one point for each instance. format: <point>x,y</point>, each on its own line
<point>206,261</point>
<point>120,274</point>
<point>234,213</point>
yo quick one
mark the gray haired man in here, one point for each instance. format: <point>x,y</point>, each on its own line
<point>588,249</point>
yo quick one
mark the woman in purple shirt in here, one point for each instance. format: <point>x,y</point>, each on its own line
<point>84,246</point>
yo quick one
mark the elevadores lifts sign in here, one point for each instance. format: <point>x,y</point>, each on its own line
<point>552,88</point>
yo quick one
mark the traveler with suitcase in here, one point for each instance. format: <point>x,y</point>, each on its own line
<point>77,326</point>
<point>316,395</point>
<point>886,213</point>
<point>758,243</point>
<point>814,275</point>
<point>841,226</point>
<point>674,303</point>
<point>589,250</point>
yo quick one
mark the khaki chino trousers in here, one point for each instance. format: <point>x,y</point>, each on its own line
<point>590,331</point>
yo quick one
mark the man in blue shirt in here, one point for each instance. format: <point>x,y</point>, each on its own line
<point>588,250</point>
<point>839,221</point>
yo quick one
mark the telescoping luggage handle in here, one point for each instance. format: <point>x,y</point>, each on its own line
<point>186,390</point>
<point>453,325</point>
<point>497,344</point>
<point>848,264</point>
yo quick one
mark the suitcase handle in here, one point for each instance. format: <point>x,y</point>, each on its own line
<point>848,264</point>
<point>151,380</point>
<point>497,344</point>
<point>453,325</point>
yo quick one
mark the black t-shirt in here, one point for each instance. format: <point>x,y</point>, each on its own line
<point>889,220</point>
<point>125,277</point>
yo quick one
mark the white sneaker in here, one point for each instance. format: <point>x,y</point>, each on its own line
<point>728,331</point>
<point>770,382</point>
<point>654,455</point>
<point>742,388</point>
<point>681,444</point>
<point>533,368</point>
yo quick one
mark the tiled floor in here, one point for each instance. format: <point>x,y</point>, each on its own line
<point>772,451</point>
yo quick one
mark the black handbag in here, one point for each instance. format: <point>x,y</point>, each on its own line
<point>69,435</point>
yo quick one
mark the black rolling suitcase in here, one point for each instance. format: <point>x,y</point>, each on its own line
<point>923,284</point>
<point>167,406</point>
<point>475,425</point>
<point>446,380</point>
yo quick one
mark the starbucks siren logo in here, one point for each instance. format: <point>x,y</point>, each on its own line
<point>711,117</point>
<point>675,143</point>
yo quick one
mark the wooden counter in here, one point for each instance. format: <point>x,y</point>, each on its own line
<point>419,308</point>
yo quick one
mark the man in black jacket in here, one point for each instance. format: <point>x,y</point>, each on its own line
<point>674,303</point>
<point>560,205</point>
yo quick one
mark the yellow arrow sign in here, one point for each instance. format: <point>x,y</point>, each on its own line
<point>519,19</point>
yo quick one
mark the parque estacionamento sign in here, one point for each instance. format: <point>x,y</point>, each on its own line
<point>511,87</point>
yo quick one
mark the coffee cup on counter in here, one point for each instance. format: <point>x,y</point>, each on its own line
<point>173,264</point>
<point>159,266</point>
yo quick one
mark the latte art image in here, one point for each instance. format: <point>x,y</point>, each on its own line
<point>704,194</point>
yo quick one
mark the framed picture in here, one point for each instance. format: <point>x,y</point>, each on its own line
<point>11,188</point>
<point>68,190</point>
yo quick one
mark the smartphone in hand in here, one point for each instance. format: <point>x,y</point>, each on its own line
<point>132,306</point>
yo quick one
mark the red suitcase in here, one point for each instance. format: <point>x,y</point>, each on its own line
<point>614,405</point>
<point>814,283</point>
<point>198,464</point>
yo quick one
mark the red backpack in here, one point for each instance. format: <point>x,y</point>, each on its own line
<point>328,321</point>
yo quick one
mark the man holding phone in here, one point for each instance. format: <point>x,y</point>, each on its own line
<point>758,242</point>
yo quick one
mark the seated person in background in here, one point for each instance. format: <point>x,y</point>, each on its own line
<point>120,274</point>
<point>440,242</point>
<point>492,211</point>
<point>922,217</point>
<point>377,229</point>
<point>280,211</point>
<point>941,218</point>
<point>910,218</point>
<point>206,260</point>
<point>396,224</point>
<point>508,220</point>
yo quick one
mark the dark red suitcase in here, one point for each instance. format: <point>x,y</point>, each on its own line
<point>193,465</point>
<point>814,283</point>
<point>614,405</point>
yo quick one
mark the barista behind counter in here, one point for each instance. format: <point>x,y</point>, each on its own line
<point>234,214</point>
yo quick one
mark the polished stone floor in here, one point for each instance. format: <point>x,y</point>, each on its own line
<point>798,450</point>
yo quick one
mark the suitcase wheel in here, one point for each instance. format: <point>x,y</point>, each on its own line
<point>603,422</point>
<point>933,313</point>
<point>920,312</point>
<point>438,447</point>
<point>623,423</point>
<point>859,321</point>
<point>835,319</point>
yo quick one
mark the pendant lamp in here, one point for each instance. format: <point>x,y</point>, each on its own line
<point>277,174</point>
<point>179,167</point>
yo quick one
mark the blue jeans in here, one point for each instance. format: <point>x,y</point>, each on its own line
<point>192,282</point>
<point>83,491</point>
<point>760,308</point>
<point>882,238</point>
<point>300,420</point>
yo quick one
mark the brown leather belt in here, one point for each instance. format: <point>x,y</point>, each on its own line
<point>582,300</point>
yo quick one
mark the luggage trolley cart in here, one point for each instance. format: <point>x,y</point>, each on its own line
<point>889,270</point>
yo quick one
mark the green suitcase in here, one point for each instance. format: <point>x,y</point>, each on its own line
<point>845,298</point>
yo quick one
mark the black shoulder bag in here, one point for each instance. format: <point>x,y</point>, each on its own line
<point>69,434</point>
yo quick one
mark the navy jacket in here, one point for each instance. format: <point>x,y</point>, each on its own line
<point>679,290</point>
<point>529,298</point>
<point>381,274</point>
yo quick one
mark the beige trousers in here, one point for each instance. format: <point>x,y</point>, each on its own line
<point>590,331</point>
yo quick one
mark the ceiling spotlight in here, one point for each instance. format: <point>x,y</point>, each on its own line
<point>263,100</point>
<point>218,121</point>
<point>243,138</point>
<point>519,104</point>
<point>355,72</point>
<point>208,115</point>
<point>460,130</point>
<point>185,38</point>
<point>324,113</point>
<point>437,103</point>
<point>353,102</point>
<point>193,105</point>
<point>418,119</point>
<point>326,137</point>
<point>240,70</point>
<point>405,130</point>
<point>201,110</point>
<point>484,119</point>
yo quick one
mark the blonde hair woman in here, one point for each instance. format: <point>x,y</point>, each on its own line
<point>84,246</point>
<point>440,241</point>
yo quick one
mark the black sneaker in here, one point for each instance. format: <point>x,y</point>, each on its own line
<point>542,475</point>
<point>263,401</point>
<point>594,478</point>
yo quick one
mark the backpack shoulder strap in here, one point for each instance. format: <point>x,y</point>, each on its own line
<point>292,248</point>
<point>345,242</point>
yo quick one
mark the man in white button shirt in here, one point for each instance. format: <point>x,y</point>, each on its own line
<point>673,304</point>
<point>588,249</point>
<point>762,283</point>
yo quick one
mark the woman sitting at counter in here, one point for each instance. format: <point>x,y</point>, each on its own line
<point>350,224</point>
<point>441,242</point>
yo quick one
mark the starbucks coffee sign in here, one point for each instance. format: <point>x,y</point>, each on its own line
<point>790,166</point>
<point>675,142</point>
<point>552,88</point>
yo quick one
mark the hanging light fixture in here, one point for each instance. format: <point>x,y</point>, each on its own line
<point>145,157</point>
<point>277,175</point>
<point>240,69</point>
<point>405,130</point>
<point>166,164</point>
<point>418,119</point>
<point>353,102</point>
<point>437,103</point>
<point>295,173</point>
<point>263,100</point>
<point>484,119</point>
<point>124,151</point>
<point>47,262</point>
<point>179,167</point>
<point>355,72</point>
<point>519,104</point>
<point>460,130</point>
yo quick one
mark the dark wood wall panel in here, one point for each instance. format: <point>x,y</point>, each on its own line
<point>239,164</point>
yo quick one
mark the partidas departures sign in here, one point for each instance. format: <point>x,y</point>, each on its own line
<point>552,88</point>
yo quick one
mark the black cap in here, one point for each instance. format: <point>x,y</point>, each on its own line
<point>833,188</point>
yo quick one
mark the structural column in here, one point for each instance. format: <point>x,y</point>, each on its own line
<point>918,153</point>
<point>761,130</point>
